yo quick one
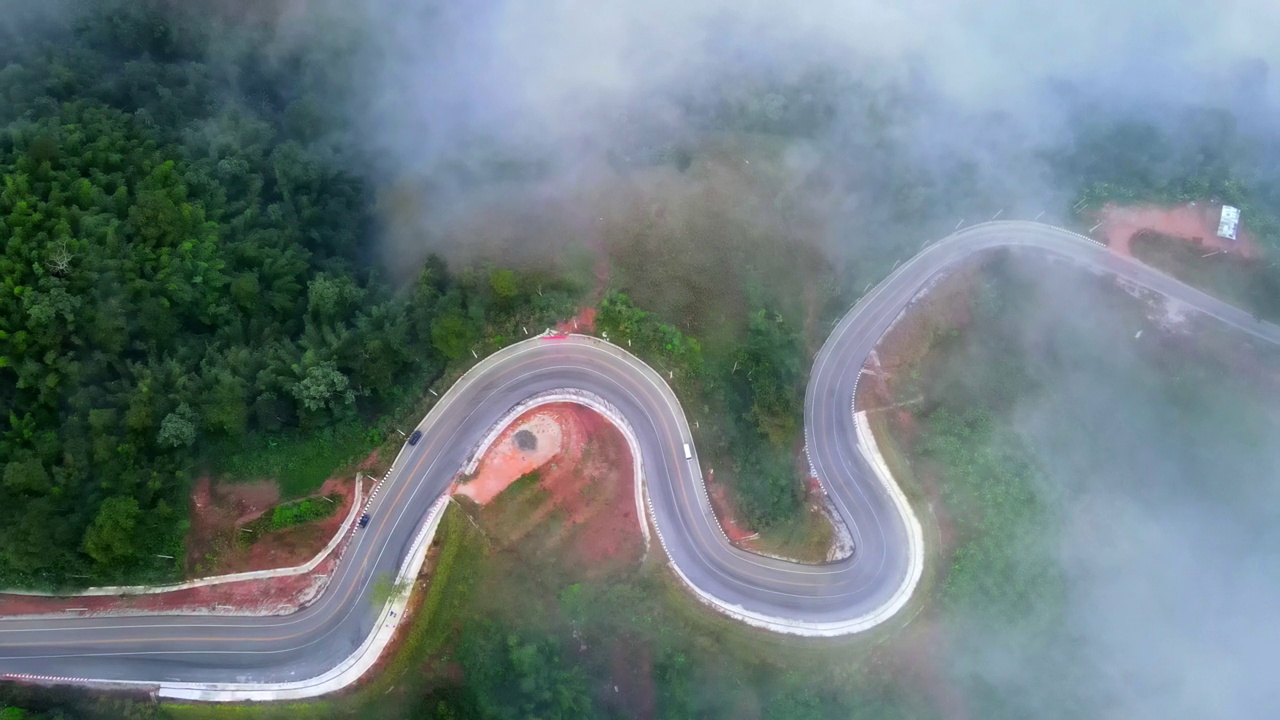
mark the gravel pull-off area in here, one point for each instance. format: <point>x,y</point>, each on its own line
<point>1194,222</point>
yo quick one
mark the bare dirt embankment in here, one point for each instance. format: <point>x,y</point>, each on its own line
<point>810,537</point>
<point>219,512</point>
<point>726,510</point>
<point>583,487</point>
<point>1194,223</point>
<point>219,544</point>
<point>272,596</point>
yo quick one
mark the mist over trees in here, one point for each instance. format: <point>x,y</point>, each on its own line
<point>189,251</point>
<point>194,211</point>
<point>182,267</point>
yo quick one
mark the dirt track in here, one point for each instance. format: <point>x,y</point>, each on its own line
<point>1196,223</point>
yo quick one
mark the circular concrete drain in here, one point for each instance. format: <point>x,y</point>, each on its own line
<point>526,440</point>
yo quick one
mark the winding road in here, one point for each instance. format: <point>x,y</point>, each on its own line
<point>186,652</point>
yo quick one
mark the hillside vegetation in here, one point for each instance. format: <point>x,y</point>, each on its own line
<point>182,276</point>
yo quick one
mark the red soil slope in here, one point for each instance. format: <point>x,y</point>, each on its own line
<point>1194,222</point>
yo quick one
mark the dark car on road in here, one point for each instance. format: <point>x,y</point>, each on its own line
<point>415,437</point>
<point>364,520</point>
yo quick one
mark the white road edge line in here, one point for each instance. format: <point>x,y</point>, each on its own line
<point>367,655</point>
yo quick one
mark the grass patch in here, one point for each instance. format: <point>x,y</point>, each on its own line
<point>290,514</point>
<point>299,462</point>
<point>806,537</point>
<point>460,556</point>
<point>512,507</point>
<point>272,711</point>
<point>303,511</point>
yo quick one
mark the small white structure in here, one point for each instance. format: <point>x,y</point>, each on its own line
<point>1229,222</point>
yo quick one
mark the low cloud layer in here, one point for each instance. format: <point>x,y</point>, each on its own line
<point>520,122</point>
<point>1157,454</point>
<point>516,66</point>
<point>448,97</point>
<point>1171,577</point>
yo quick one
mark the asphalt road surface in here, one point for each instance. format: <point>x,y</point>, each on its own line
<point>305,644</point>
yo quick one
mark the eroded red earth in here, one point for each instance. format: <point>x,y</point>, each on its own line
<point>274,596</point>
<point>726,510</point>
<point>583,322</point>
<point>585,472</point>
<point>219,511</point>
<point>1196,223</point>
<point>540,437</point>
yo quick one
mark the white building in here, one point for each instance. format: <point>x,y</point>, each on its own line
<point>1229,221</point>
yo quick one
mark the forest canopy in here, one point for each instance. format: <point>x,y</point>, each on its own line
<point>182,268</point>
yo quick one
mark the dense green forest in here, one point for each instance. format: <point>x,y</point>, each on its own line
<point>185,275</point>
<point>183,270</point>
<point>749,398</point>
<point>186,284</point>
<point>1001,600</point>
